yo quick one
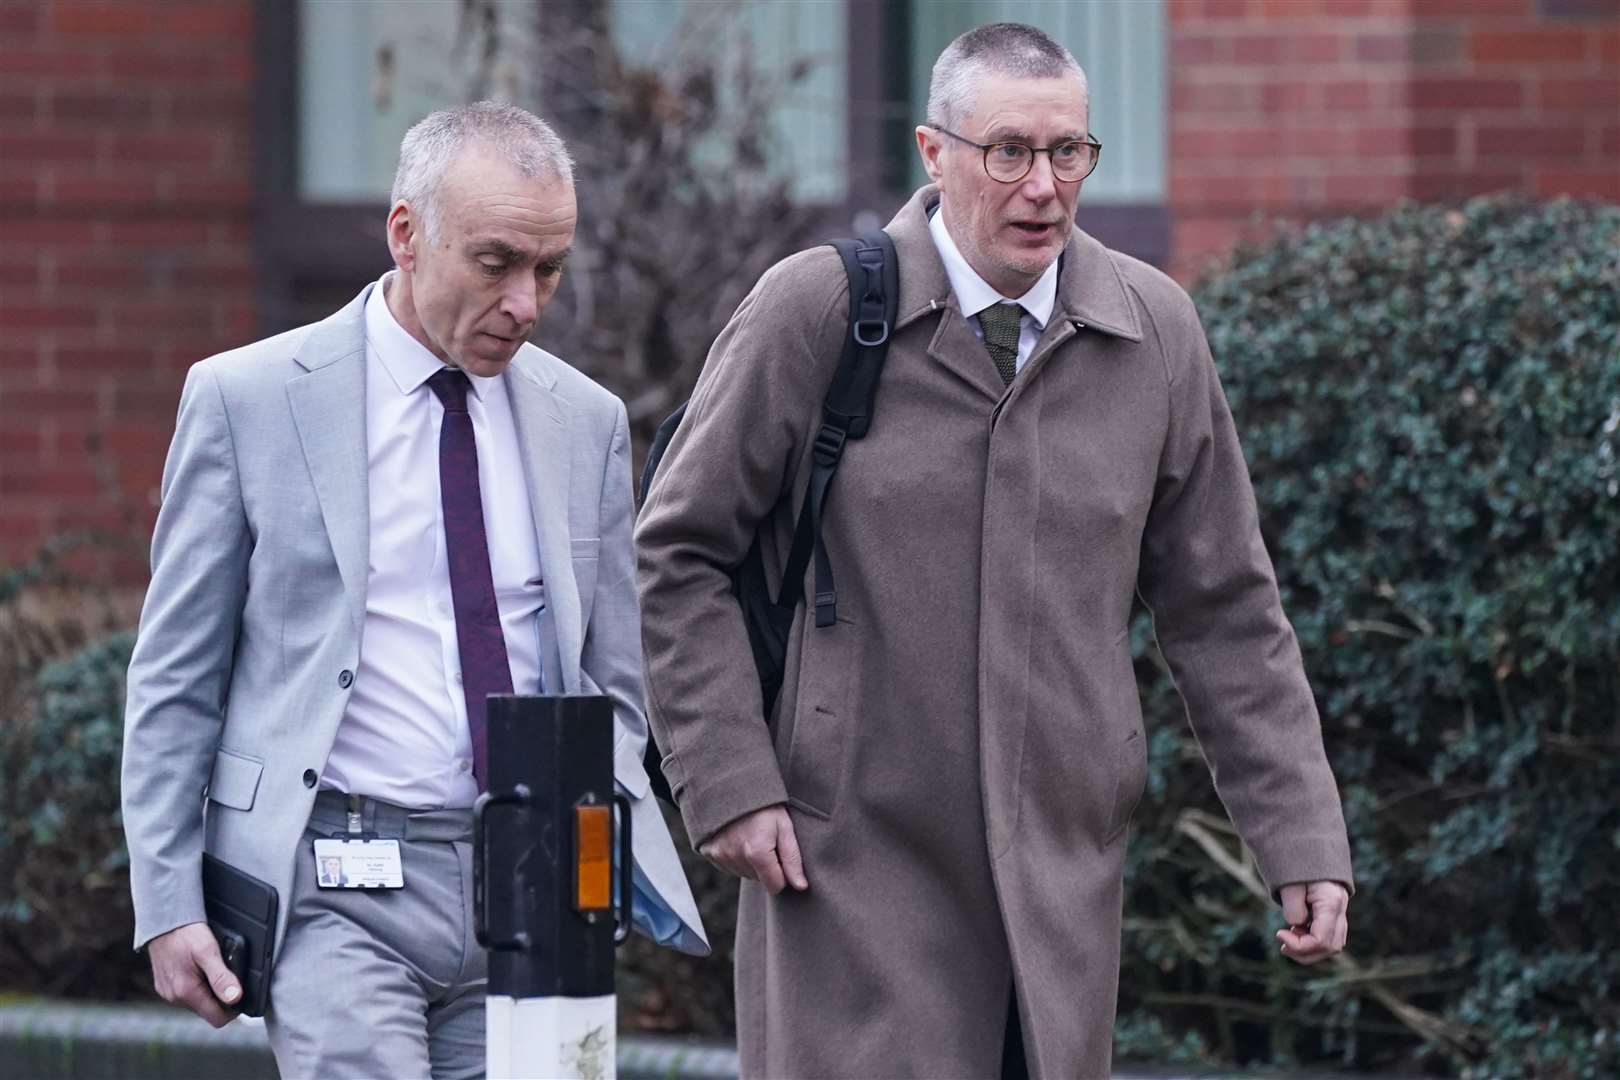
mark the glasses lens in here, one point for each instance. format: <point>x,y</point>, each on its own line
<point>1007,161</point>
<point>1073,161</point>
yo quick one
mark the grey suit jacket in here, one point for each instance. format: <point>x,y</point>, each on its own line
<point>252,622</point>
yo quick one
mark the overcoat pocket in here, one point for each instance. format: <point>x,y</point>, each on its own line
<point>814,765</point>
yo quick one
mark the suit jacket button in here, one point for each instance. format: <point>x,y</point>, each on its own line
<point>345,678</point>
<point>310,778</point>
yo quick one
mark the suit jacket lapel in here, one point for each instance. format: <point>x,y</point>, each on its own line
<point>329,410</point>
<point>542,430</point>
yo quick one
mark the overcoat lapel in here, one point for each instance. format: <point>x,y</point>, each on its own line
<point>542,429</point>
<point>329,410</point>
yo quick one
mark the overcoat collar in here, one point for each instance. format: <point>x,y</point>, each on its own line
<point>1091,292</point>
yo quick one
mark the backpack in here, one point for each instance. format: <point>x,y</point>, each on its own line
<point>846,413</point>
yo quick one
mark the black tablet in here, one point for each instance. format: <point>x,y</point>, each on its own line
<point>242,913</point>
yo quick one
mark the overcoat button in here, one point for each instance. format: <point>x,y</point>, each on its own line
<point>310,778</point>
<point>345,678</point>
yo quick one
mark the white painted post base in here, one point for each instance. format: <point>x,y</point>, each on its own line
<point>571,1038</point>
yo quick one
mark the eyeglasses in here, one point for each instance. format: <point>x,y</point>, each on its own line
<point>1010,162</point>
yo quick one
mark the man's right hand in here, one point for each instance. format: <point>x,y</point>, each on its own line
<point>188,970</point>
<point>760,846</point>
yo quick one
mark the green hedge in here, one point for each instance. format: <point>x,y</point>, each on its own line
<point>1429,402</point>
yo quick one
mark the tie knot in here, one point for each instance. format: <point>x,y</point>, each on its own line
<point>450,386</point>
<point>1000,323</point>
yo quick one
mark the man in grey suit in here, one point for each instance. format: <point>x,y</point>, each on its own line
<point>369,524</point>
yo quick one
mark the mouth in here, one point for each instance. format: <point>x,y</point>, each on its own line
<point>1035,230</point>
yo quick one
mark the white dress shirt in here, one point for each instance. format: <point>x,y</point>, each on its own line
<point>404,738</point>
<point>974,294</point>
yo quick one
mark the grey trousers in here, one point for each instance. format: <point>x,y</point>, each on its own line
<point>382,982</point>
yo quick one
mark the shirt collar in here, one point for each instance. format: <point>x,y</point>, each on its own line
<point>975,294</point>
<point>408,362</point>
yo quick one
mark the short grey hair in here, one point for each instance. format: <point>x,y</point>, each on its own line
<point>429,147</point>
<point>1005,48</point>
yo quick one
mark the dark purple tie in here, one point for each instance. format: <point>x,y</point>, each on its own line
<point>484,668</point>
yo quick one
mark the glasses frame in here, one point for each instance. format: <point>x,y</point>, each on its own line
<point>1089,140</point>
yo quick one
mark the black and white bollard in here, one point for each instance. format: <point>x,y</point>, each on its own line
<point>543,887</point>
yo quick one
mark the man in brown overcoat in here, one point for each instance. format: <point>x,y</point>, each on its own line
<point>931,821</point>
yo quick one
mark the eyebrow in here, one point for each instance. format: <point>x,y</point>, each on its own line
<point>498,247</point>
<point>1012,135</point>
<point>557,260</point>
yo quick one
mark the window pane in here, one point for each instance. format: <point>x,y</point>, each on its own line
<point>369,70</point>
<point>810,121</point>
<point>1122,48</point>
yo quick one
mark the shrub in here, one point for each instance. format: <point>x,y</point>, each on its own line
<point>65,922</point>
<point>1430,406</point>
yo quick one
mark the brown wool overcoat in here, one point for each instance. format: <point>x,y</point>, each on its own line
<point>962,752</point>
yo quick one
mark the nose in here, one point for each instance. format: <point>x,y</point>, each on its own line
<point>1040,183</point>
<point>520,301</point>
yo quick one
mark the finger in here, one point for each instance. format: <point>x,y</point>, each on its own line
<point>1295,909</point>
<point>787,849</point>
<point>768,871</point>
<point>202,1003</point>
<point>220,980</point>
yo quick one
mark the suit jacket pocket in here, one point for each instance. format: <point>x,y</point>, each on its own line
<point>235,779</point>
<point>814,767</point>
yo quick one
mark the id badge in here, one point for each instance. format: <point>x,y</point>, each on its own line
<point>358,864</point>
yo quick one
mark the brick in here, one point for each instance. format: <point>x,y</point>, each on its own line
<point>102,274</point>
<point>1226,9</point>
<point>165,149</point>
<point>1287,97</point>
<point>1438,184</point>
<point>47,147</point>
<point>1601,183</point>
<point>109,360</point>
<point>1433,142</point>
<point>123,108</point>
<point>230,21</point>
<point>31,64</point>
<point>18,21</point>
<point>1608,50</point>
<point>1365,190</point>
<point>1317,142</point>
<point>1357,94</point>
<point>45,316</point>
<point>1433,44</point>
<point>1188,96</point>
<point>1451,9</point>
<point>1381,142</point>
<point>1383,48</point>
<point>1316,48</point>
<point>36,230</point>
<point>1599,92</point>
<point>1224,143</point>
<point>191,194</point>
<point>105,20</point>
<point>1187,48</point>
<point>1466,93</point>
<point>103,192</point>
<point>1258,48</point>
<point>1609,142</point>
<point>1540,140</point>
<point>167,235</point>
<point>1538,46</point>
<point>1244,192</point>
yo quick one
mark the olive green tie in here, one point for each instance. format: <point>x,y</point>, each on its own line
<point>1000,324</point>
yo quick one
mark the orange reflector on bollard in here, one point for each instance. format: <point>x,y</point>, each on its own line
<point>593,858</point>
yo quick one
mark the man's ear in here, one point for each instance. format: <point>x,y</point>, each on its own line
<point>402,235</point>
<point>930,144</point>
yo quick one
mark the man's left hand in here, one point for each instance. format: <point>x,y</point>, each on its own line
<point>1318,924</point>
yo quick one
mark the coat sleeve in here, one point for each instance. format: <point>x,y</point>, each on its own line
<point>1209,584</point>
<point>180,672</point>
<point>736,455</point>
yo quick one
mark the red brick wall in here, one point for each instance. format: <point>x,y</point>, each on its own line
<point>125,255</point>
<point>1306,107</point>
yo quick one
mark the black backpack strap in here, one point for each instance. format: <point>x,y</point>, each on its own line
<point>847,410</point>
